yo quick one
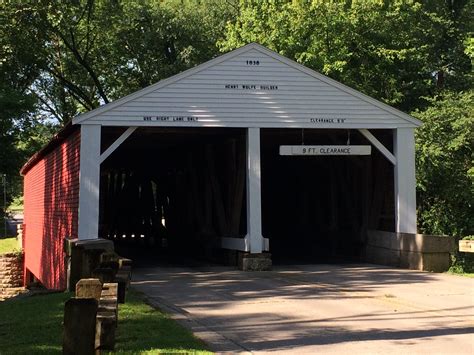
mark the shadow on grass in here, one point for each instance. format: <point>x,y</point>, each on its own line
<point>32,325</point>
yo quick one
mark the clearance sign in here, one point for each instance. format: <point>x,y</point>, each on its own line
<point>325,150</point>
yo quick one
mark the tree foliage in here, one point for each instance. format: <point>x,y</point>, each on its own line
<point>397,51</point>
<point>445,165</point>
<point>90,52</point>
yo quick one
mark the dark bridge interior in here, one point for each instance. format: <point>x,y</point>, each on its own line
<point>176,191</point>
<point>318,208</point>
<point>173,191</point>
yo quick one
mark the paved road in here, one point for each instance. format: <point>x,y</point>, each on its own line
<point>336,309</point>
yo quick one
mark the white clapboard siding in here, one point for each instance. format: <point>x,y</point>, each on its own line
<point>277,93</point>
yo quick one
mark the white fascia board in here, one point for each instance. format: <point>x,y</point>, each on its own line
<point>230,124</point>
<point>338,85</point>
<point>162,83</point>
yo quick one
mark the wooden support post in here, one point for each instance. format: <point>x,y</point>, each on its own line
<point>254,205</point>
<point>79,326</point>
<point>405,183</point>
<point>89,181</point>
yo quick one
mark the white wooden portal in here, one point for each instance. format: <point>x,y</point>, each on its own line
<point>250,87</point>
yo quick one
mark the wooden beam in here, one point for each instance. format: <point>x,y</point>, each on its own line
<point>242,244</point>
<point>116,144</point>
<point>254,203</point>
<point>405,182</point>
<point>377,144</point>
<point>89,182</point>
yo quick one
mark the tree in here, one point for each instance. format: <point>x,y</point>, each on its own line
<point>445,166</point>
<point>90,52</point>
<point>399,52</point>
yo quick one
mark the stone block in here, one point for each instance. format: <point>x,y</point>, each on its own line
<point>411,260</point>
<point>382,256</point>
<point>89,288</point>
<point>255,262</point>
<point>414,251</point>
<point>79,326</point>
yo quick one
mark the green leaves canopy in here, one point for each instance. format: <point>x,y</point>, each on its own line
<point>399,52</point>
<point>89,52</point>
<point>445,166</point>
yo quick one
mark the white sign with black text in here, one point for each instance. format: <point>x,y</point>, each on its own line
<point>325,150</point>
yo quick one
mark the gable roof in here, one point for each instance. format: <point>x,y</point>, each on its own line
<point>367,105</point>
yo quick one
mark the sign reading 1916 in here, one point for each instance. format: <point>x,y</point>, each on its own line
<point>171,118</point>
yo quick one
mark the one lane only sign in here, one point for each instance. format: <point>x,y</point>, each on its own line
<point>325,150</point>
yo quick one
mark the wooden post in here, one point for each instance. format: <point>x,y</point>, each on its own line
<point>405,183</point>
<point>79,326</point>
<point>89,181</point>
<point>254,205</point>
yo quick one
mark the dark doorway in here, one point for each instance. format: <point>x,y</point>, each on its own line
<point>173,191</point>
<point>318,208</point>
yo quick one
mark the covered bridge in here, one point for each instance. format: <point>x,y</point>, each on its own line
<point>249,151</point>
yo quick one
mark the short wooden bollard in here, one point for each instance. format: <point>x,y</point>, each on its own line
<point>108,299</point>
<point>107,318</point>
<point>125,264</point>
<point>88,288</point>
<point>105,331</point>
<point>79,326</point>
<point>123,280</point>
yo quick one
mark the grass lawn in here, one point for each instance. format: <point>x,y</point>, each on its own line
<point>144,330</point>
<point>33,325</point>
<point>465,274</point>
<point>8,245</point>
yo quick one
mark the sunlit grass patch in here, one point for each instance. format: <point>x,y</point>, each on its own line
<point>33,325</point>
<point>8,245</point>
<point>145,330</point>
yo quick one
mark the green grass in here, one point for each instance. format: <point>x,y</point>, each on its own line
<point>8,245</point>
<point>33,325</point>
<point>465,274</point>
<point>16,205</point>
<point>145,330</point>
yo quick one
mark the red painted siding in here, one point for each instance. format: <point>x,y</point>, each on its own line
<point>51,203</point>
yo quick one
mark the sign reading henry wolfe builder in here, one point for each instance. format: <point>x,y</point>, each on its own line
<point>325,150</point>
